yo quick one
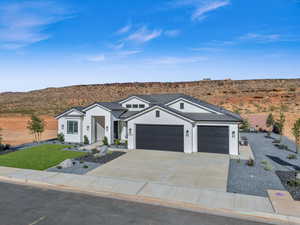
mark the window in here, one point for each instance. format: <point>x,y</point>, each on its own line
<point>72,127</point>
<point>128,106</point>
<point>181,105</point>
<point>135,106</point>
<point>157,113</point>
<point>141,106</point>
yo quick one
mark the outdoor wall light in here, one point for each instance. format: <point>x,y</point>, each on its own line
<point>106,128</point>
<point>187,133</point>
<point>233,134</point>
<point>130,131</point>
<point>62,126</point>
<point>87,128</point>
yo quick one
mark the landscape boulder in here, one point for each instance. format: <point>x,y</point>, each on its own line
<point>66,164</point>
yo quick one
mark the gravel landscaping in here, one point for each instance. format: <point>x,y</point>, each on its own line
<point>257,179</point>
<point>285,177</point>
<point>109,156</point>
<point>79,168</point>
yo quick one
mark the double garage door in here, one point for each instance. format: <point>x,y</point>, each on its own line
<point>213,139</point>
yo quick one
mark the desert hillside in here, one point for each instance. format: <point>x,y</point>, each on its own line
<point>250,98</point>
<point>245,96</point>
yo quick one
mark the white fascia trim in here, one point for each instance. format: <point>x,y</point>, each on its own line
<point>94,105</point>
<point>131,97</point>
<point>195,104</point>
<point>163,109</point>
<point>69,111</point>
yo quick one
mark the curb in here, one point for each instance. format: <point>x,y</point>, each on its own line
<point>246,215</point>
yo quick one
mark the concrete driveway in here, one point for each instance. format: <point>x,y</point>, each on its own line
<point>197,170</point>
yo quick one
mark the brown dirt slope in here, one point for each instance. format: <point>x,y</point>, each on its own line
<point>246,96</point>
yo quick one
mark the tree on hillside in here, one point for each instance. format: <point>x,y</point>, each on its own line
<point>245,125</point>
<point>270,123</point>
<point>280,124</point>
<point>0,136</point>
<point>296,133</point>
<point>36,126</point>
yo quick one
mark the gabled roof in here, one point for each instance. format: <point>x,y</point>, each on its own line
<point>77,108</point>
<point>162,99</point>
<point>107,105</point>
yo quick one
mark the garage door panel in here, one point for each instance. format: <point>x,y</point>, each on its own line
<point>214,139</point>
<point>159,137</point>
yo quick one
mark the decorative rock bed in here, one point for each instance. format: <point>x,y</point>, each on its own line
<point>109,156</point>
<point>291,184</point>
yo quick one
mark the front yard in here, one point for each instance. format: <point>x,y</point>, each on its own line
<point>39,157</point>
<point>270,161</point>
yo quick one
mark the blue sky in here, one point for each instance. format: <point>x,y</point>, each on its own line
<point>66,42</point>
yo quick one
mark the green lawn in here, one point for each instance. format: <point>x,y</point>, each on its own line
<point>39,157</point>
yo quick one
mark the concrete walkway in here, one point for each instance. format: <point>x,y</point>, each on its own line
<point>207,199</point>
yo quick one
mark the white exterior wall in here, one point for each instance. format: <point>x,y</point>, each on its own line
<point>233,141</point>
<point>164,119</point>
<point>188,107</point>
<point>98,111</point>
<point>135,101</point>
<point>74,138</point>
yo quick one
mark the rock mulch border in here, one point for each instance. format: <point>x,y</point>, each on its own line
<point>286,176</point>
<point>109,156</point>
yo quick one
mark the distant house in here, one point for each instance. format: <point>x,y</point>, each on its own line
<point>168,122</point>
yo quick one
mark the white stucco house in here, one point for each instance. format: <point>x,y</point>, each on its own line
<point>168,122</point>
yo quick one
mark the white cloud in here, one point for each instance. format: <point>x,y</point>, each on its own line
<point>176,60</point>
<point>201,7</point>
<point>143,35</point>
<point>24,23</point>
<point>96,58</point>
<point>124,29</point>
<point>261,37</point>
<point>129,52</point>
<point>172,33</point>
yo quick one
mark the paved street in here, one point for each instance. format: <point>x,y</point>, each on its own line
<point>22,205</point>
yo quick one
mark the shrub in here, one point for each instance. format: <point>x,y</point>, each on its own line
<point>94,151</point>
<point>293,183</point>
<point>250,162</point>
<point>264,162</point>
<point>86,140</point>
<point>268,167</point>
<point>126,142</point>
<point>59,167</point>
<point>117,142</point>
<point>61,137</point>
<point>4,147</point>
<point>292,156</point>
<point>81,161</point>
<point>105,141</point>
<point>85,166</point>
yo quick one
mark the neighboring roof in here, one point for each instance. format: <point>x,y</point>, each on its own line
<point>118,113</point>
<point>128,114</point>
<point>111,105</point>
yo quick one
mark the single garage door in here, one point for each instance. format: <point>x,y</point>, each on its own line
<point>159,137</point>
<point>214,139</point>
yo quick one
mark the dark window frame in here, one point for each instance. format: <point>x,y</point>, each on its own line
<point>157,113</point>
<point>141,106</point>
<point>128,106</point>
<point>135,106</point>
<point>181,105</point>
<point>72,127</point>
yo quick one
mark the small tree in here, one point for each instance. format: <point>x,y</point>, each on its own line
<point>296,133</point>
<point>245,125</point>
<point>280,124</point>
<point>270,123</point>
<point>36,126</point>
<point>61,137</point>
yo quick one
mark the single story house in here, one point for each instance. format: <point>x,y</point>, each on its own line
<point>169,122</point>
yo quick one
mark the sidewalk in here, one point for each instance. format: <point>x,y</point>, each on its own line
<point>204,199</point>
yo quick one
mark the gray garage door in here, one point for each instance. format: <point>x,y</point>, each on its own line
<point>214,139</point>
<point>159,137</point>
